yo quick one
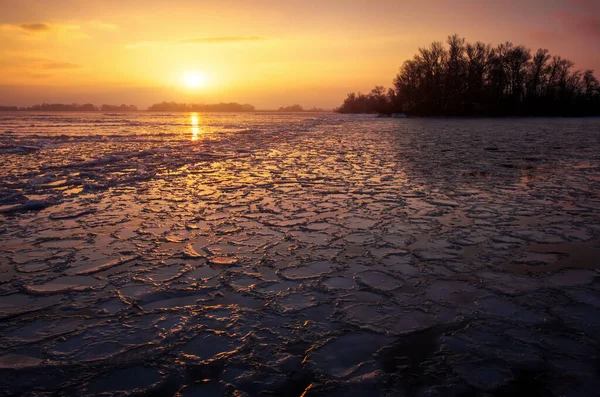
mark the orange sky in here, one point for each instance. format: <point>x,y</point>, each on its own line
<point>264,52</point>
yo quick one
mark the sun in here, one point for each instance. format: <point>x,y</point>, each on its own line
<point>194,79</point>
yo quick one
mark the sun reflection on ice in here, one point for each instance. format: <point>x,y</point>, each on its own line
<point>195,129</point>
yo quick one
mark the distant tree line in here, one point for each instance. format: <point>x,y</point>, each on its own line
<point>298,108</point>
<point>476,79</point>
<point>73,107</point>
<point>159,107</point>
<point>193,107</point>
<point>120,108</point>
<point>61,107</point>
<point>292,108</point>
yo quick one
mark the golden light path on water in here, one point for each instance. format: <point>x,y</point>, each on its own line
<point>195,129</point>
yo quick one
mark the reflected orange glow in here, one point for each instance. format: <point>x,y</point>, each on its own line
<point>195,129</point>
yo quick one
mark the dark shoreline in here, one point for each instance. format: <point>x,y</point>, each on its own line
<point>374,115</point>
<point>154,111</point>
<point>482,117</point>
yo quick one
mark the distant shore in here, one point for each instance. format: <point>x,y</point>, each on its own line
<point>166,111</point>
<point>462,79</point>
<point>171,107</point>
<point>326,111</point>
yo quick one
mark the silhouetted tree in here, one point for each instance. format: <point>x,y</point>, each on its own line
<point>455,81</point>
<point>292,108</point>
<point>121,108</point>
<point>61,107</point>
<point>478,68</point>
<point>477,79</point>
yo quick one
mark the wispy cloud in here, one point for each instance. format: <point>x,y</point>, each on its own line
<point>570,25</point>
<point>40,31</point>
<point>35,65</point>
<point>35,27</point>
<point>584,3</point>
<point>38,75</point>
<point>99,25</point>
<point>220,39</point>
<point>544,35</point>
<point>198,41</point>
<point>586,25</point>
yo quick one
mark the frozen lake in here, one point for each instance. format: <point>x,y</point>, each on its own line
<point>279,254</point>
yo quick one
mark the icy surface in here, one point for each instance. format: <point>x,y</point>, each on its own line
<point>244,255</point>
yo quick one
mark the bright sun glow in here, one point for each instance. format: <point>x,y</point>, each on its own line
<point>194,79</point>
<point>195,129</point>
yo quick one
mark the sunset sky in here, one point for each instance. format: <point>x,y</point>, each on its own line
<point>264,52</point>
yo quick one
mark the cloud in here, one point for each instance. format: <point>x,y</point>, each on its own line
<point>585,25</point>
<point>42,31</point>
<point>569,25</point>
<point>543,35</point>
<point>99,25</point>
<point>220,39</point>
<point>197,41</point>
<point>61,65</point>
<point>38,75</point>
<point>18,61</point>
<point>584,3</point>
<point>35,27</point>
